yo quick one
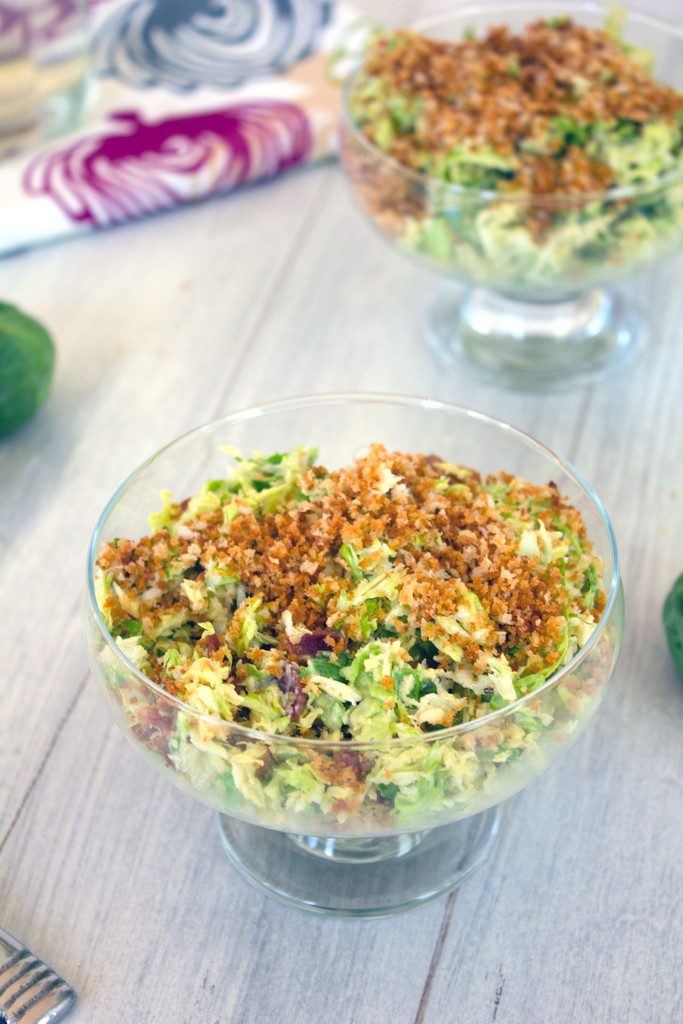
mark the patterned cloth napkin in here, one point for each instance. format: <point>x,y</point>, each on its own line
<point>192,98</point>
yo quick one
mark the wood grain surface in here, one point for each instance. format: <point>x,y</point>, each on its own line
<point>118,880</point>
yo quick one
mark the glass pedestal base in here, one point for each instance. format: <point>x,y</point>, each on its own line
<point>359,877</point>
<point>536,346</point>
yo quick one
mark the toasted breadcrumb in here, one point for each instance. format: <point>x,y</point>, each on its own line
<point>444,536</point>
<point>504,92</point>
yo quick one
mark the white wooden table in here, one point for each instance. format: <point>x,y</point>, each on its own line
<point>118,880</point>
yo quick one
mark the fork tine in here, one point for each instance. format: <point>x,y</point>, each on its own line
<point>22,967</point>
<point>23,985</point>
<point>30,991</point>
<point>50,1003</point>
<point>7,967</point>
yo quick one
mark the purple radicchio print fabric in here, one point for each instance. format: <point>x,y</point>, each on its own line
<point>191,98</point>
<point>136,167</point>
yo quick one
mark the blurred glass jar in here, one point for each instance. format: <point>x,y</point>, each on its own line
<point>44,69</point>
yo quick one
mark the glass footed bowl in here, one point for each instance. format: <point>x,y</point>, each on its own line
<point>536,312</point>
<point>287,820</point>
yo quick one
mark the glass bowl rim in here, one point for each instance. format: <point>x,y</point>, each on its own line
<point>550,199</point>
<point>339,398</point>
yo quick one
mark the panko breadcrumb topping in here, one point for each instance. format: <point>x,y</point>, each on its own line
<point>531,97</point>
<point>399,593</point>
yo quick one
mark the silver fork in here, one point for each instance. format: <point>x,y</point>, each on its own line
<point>30,992</point>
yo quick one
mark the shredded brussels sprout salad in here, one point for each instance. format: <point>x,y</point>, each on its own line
<point>387,600</point>
<point>546,123</point>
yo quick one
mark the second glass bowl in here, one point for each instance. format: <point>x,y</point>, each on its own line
<point>538,311</point>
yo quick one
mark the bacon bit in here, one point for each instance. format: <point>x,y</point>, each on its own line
<point>311,644</point>
<point>154,725</point>
<point>347,768</point>
<point>126,550</point>
<point>212,643</point>
<point>360,764</point>
<point>289,683</point>
<point>267,763</point>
